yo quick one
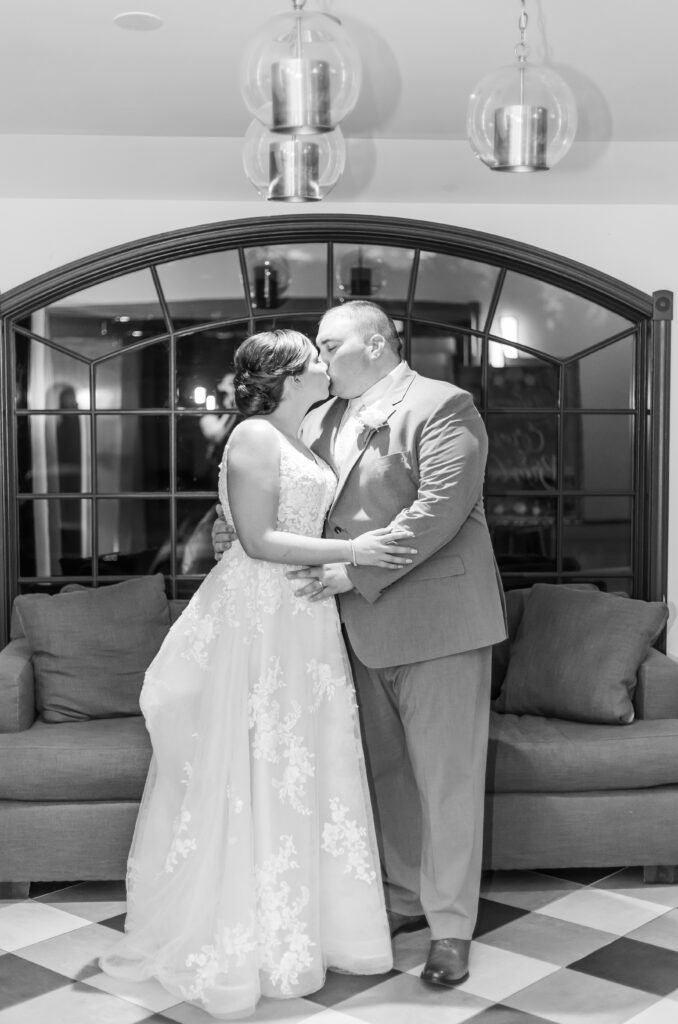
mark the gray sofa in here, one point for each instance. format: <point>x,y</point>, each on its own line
<point>560,792</point>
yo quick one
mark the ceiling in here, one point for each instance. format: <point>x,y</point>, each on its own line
<point>67,72</point>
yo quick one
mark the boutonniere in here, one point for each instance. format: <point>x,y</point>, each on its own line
<point>370,419</point>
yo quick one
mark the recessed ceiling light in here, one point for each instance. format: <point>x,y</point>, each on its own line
<point>138,21</point>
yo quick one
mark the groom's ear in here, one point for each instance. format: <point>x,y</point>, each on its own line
<point>375,346</point>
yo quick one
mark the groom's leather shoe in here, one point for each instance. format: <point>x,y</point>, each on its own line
<point>447,962</point>
<point>400,923</point>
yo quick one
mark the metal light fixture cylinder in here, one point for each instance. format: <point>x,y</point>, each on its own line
<point>360,273</point>
<point>521,118</point>
<point>301,73</point>
<point>301,96</point>
<point>293,168</point>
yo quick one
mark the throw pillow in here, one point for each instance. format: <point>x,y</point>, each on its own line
<point>91,647</point>
<point>577,654</point>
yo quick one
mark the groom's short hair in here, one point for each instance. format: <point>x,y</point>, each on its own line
<point>372,320</point>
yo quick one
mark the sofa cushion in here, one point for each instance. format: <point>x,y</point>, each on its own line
<point>105,759</point>
<point>91,647</point>
<point>576,654</point>
<point>533,754</point>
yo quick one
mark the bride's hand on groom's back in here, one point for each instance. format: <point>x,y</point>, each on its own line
<point>223,534</point>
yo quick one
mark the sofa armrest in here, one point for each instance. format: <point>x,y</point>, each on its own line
<point>656,694</point>
<point>17,687</point>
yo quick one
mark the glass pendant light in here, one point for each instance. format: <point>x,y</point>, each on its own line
<point>293,168</point>
<point>522,117</point>
<point>301,73</point>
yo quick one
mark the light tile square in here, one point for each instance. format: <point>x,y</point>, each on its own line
<point>629,882</point>
<point>93,911</point>
<point>405,999</point>
<point>548,938</point>
<point>497,973</point>
<point>526,889</point>
<point>149,994</point>
<point>75,953</point>
<point>606,911</point>
<point>25,923</point>
<point>74,1004</point>
<point>663,1012</point>
<point>568,997</point>
<point>280,1011</point>
<point>662,931</point>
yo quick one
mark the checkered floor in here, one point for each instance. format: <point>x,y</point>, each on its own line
<point>567,947</point>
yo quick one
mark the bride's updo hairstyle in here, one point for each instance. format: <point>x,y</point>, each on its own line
<point>263,363</point>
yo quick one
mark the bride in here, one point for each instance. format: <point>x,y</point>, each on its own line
<point>254,866</point>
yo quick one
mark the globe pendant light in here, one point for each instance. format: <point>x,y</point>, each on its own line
<point>522,117</point>
<point>300,76</point>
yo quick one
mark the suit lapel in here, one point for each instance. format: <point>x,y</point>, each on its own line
<point>323,443</point>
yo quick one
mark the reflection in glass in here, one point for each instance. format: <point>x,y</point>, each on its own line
<point>104,318</point>
<point>203,288</point>
<point>597,533</point>
<point>55,536</point>
<point>523,450</point>
<point>287,277</point>
<point>200,446</point>
<point>44,376</point>
<point>134,536</point>
<point>195,554</point>
<point>134,380</point>
<point>375,272</point>
<point>53,453</point>
<point>204,360</point>
<point>444,355</point>
<point>185,589</point>
<point>551,320</point>
<point>599,452</point>
<point>520,381</point>
<point>132,453</point>
<point>603,380</point>
<point>523,531</point>
<point>449,287</point>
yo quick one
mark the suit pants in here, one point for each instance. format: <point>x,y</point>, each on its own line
<point>425,730</point>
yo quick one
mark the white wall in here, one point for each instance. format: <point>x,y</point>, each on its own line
<point>635,243</point>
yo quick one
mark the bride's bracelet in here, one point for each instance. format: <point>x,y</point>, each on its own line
<point>353,558</point>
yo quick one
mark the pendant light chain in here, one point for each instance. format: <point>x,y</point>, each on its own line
<point>521,49</point>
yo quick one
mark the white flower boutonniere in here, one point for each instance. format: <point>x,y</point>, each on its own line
<point>370,419</point>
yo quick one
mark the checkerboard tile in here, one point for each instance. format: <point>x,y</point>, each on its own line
<point>575,947</point>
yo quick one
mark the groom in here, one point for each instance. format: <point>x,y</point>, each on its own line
<point>413,450</point>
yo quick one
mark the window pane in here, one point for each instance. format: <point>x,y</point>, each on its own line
<point>523,532</point>
<point>55,537</point>
<point>134,535</point>
<point>444,355</point>
<point>376,272</point>
<point>104,318</point>
<point>132,453</point>
<point>453,290</point>
<point>49,379</point>
<point>205,366</point>
<point>522,453</point>
<point>597,532</point>
<point>599,452</point>
<point>288,277</point>
<point>603,380</point>
<point>195,554</point>
<point>54,453</point>
<point>518,380</point>
<point>551,320</point>
<point>200,446</point>
<point>203,289</point>
<point>134,380</point>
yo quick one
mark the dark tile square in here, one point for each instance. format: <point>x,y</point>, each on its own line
<point>499,1014</point>
<point>21,980</point>
<point>584,876</point>
<point>493,915</point>
<point>634,964</point>
<point>339,987</point>
<point>88,892</point>
<point>42,888</point>
<point>117,922</point>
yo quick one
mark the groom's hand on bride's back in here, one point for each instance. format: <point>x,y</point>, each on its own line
<point>223,534</point>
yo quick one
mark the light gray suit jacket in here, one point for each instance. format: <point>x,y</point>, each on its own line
<point>424,468</point>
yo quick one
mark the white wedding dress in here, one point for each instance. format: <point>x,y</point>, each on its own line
<point>254,864</point>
